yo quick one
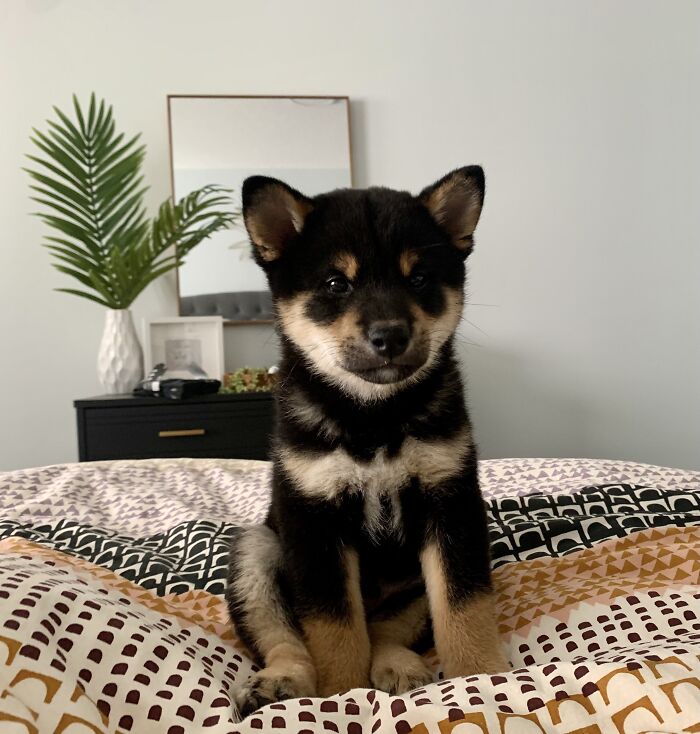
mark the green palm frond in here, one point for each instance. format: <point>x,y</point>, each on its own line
<point>90,186</point>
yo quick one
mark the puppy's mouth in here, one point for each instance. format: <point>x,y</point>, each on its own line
<point>384,372</point>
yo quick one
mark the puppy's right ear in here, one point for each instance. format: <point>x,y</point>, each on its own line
<point>274,214</point>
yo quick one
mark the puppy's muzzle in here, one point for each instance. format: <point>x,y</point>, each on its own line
<point>389,339</point>
<point>388,352</point>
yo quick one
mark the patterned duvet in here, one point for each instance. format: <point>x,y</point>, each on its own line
<point>112,616</point>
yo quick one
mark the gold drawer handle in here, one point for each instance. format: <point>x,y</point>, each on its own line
<point>184,432</point>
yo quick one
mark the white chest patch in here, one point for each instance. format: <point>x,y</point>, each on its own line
<point>382,512</point>
<point>326,475</point>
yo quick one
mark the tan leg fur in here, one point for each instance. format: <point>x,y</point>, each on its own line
<point>340,649</point>
<point>466,633</point>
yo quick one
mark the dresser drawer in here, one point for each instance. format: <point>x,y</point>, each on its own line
<point>228,429</point>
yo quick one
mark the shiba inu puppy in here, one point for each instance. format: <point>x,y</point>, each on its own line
<point>376,537</point>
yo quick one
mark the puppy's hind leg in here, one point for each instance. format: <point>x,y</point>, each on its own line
<point>263,621</point>
<point>396,668</point>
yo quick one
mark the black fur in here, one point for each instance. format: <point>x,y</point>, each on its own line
<point>375,227</point>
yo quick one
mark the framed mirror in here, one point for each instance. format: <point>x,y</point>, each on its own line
<point>305,141</point>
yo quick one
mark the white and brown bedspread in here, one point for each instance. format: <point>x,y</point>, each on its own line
<point>112,616</point>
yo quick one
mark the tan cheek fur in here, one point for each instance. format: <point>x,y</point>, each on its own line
<point>321,345</point>
<point>340,649</point>
<point>466,634</point>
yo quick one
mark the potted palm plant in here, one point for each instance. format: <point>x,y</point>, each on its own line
<point>91,189</point>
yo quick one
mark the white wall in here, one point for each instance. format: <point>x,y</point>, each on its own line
<point>584,114</point>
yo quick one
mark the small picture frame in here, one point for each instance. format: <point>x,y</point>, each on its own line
<point>190,347</point>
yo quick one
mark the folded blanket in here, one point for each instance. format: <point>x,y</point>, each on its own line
<point>112,616</point>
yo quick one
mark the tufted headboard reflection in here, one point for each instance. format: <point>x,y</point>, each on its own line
<point>241,306</point>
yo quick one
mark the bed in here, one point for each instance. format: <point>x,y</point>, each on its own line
<point>112,615</point>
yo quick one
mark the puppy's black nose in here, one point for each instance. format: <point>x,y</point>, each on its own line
<point>389,338</point>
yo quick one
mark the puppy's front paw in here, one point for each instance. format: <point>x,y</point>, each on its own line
<point>398,670</point>
<point>268,687</point>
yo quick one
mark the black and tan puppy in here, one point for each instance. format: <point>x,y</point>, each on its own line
<point>376,537</point>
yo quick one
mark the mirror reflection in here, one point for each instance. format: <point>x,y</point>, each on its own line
<point>305,141</point>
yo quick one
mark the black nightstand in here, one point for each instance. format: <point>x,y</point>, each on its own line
<point>211,426</point>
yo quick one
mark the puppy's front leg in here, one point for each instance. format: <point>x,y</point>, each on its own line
<point>322,571</point>
<point>464,625</point>
<point>456,567</point>
<point>336,634</point>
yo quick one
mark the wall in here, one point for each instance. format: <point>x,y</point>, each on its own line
<point>583,339</point>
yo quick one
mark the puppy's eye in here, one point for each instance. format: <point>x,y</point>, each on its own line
<point>418,280</point>
<point>338,285</point>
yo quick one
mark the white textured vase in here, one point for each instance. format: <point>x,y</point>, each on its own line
<point>120,359</point>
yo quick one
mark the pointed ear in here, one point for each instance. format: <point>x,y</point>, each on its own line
<point>455,202</point>
<point>274,213</point>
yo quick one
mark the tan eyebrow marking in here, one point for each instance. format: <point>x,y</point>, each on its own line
<point>407,260</point>
<point>347,264</point>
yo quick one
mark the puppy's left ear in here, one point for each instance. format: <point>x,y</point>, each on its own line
<point>274,214</point>
<point>455,202</point>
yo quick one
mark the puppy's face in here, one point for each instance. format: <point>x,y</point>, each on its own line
<point>368,284</point>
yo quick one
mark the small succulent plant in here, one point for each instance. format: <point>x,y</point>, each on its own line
<point>249,379</point>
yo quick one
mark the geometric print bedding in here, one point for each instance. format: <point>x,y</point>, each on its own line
<point>112,617</point>
<point>191,555</point>
<point>194,554</point>
<point>540,525</point>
